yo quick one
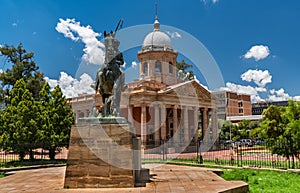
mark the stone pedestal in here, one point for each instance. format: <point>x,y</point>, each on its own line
<point>101,156</point>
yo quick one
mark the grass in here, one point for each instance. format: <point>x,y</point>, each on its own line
<point>1,175</point>
<point>265,181</point>
<point>27,162</point>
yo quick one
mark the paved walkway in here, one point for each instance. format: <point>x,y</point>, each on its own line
<point>166,178</point>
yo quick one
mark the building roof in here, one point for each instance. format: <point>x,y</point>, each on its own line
<point>246,117</point>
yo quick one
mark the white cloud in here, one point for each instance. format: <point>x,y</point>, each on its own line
<point>240,89</point>
<point>207,1</point>
<point>174,34</point>
<point>259,77</point>
<point>279,95</point>
<point>258,52</point>
<point>133,64</point>
<point>70,86</point>
<point>14,24</point>
<point>1,69</point>
<point>296,98</point>
<point>93,50</point>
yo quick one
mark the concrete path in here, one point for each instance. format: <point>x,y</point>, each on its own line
<point>165,178</point>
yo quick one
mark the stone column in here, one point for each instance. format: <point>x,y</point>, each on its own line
<point>129,114</point>
<point>214,124</point>
<point>163,123</point>
<point>143,124</point>
<point>204,121</point>
<point>186,124</point>
<point>195,123</point>
<point>156,125</point>
<point>175,125</point>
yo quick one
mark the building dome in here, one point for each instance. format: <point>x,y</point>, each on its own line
<point>157,40</point>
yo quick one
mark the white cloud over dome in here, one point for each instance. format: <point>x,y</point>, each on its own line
<point>258,52</point>
<point>174,34</point>
<point>93,50</point>
<point>259,77</point>
<point>72,87</point>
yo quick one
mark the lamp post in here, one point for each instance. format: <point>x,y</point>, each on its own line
<point>199,151</point>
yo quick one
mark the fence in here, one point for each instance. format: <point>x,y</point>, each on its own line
<point>239,155</point>
<point>7,158</point>
<point>221,154</point>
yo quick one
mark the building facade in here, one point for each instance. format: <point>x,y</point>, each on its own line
<point>161,107</point>
<point>233,104</point>
<point>258,108</point>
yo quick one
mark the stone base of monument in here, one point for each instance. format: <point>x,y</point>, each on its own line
<point>103,156</point>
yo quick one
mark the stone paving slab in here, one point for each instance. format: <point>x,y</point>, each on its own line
<point>165,178</point>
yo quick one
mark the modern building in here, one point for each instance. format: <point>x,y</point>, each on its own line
<point>258,108</point>
<point>232,104</point>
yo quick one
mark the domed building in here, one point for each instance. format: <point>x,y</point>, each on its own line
<point>162,107</point>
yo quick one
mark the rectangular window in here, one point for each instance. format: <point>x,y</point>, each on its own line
<point>145,68</point>
<point>170,68</point>
<point>158,66</point>
<point>151,134</point>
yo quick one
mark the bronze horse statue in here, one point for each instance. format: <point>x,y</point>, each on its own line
<point>110,78</point>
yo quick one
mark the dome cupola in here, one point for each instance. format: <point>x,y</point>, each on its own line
<point>157,40</point>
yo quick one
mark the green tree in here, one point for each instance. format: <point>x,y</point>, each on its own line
<point>57,118</point>
<point>23,66</point>
<point>226,130</point>
<point>280,129</point>
<point>183,66</point>
<point>19,125</point>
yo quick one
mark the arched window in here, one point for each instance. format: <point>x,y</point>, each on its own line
<point>145,68</point>
<point>170,68</point>
<point>158,66</point>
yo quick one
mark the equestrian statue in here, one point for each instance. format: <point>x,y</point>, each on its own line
<point>110,79</point>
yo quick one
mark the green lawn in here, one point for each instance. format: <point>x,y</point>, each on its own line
<point>266,181</point>
<point>1,175</point>
<point>26,162</point>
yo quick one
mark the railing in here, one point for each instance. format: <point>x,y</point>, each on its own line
<point>239,155</point>
<point>7,158</point>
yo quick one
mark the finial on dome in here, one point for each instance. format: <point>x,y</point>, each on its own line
<point>156,22</point>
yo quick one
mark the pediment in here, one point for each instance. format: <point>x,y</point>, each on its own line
<point>188,89</point>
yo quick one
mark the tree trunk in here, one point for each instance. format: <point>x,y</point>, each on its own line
<point>52,153</point>
<point>31,155</point>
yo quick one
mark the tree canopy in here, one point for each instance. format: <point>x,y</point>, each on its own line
<point>23,67</point>
<point>280,129</point>
<point>183,67</point>
<point>34,116</point>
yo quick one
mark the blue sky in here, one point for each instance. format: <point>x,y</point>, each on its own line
<point>255,44</point>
